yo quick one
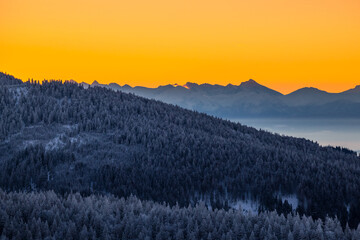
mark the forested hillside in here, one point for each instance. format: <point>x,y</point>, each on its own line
<point>62,137</point>
<point>46,215</point>
<point>8,80</point>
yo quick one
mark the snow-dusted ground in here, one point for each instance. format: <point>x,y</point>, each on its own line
<point>247,205</point>
<point>60,142</point>
<point>44,135</point>
<point>18,90</point>
<point>55,143</point>
<point>291,199</point>
<point>28,143</point>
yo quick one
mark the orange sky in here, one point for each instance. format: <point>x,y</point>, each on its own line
<point>282,44</point>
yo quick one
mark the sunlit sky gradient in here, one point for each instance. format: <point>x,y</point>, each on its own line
<point>284,45</point>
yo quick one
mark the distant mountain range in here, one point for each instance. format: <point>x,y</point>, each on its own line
<point>251,99</point>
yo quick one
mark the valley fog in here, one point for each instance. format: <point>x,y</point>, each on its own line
<point>334,132</point>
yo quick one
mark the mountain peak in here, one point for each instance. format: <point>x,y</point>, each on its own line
<point>252,86</point>
<point>191,85</point>
<point>181,86</point>
<point>250,83</point>
<point>114,85</point>
<point>186,86</point>
<point>95,83</point>
<point>308,90</point>
<point>166,86</point>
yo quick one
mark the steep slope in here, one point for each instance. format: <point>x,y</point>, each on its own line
<point>63,137</point>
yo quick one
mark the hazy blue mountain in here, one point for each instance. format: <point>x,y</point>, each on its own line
<point>251,99</point>
<point>308,96</point>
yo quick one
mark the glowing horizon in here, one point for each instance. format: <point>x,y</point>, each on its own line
<point>283,45</point>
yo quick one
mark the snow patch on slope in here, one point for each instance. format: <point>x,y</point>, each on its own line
<point>29,143</point>
<point>55,143</point>
<point>290,198</point>
<point>247,205</point>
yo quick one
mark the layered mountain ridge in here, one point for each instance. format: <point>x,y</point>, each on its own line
<point>251,99</point>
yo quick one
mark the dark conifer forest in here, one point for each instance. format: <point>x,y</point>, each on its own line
<point>46,215</point>
<point>111,165</point>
